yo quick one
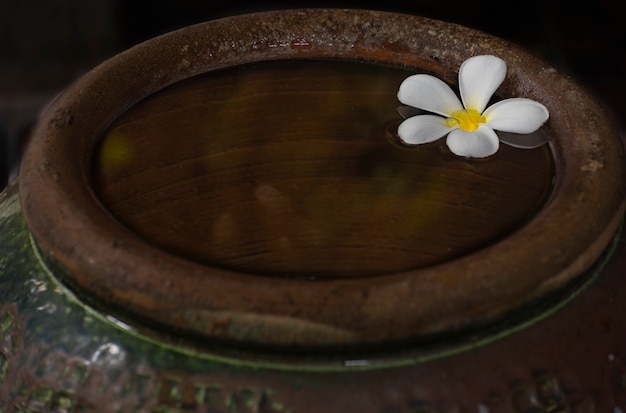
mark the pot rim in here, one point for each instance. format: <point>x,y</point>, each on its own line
<point>118,271</point>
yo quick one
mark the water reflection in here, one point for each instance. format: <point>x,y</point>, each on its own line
<point>286,168</point>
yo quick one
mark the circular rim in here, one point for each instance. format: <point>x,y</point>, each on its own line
<point>113,267</point>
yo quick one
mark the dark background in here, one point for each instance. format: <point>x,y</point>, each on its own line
<point>46,44</point>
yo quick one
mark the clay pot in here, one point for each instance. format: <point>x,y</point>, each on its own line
<point>170,260</point>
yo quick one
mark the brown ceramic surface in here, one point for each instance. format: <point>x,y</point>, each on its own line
<point>118,269</point>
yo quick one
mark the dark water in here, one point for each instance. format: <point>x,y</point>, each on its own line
<point>291,168</point>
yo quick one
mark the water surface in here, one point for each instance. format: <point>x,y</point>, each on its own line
<point>292,169</point>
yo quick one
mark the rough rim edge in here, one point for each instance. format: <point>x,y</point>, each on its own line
<point>114,266</point>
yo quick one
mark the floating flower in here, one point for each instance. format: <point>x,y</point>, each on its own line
<point>470,128</point>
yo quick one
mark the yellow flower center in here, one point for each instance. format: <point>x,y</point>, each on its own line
<point>467,120</point>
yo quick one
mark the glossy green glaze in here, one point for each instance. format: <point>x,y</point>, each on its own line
<point>57,354</point>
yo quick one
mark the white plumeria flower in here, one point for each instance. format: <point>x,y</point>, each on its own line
<point>469,126</point>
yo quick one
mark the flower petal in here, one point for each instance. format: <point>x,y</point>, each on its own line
<point>423,129</point>
<point>517,115</point>
<point>480,143</point>
<point>479,77</point>
<point>428,93</point>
